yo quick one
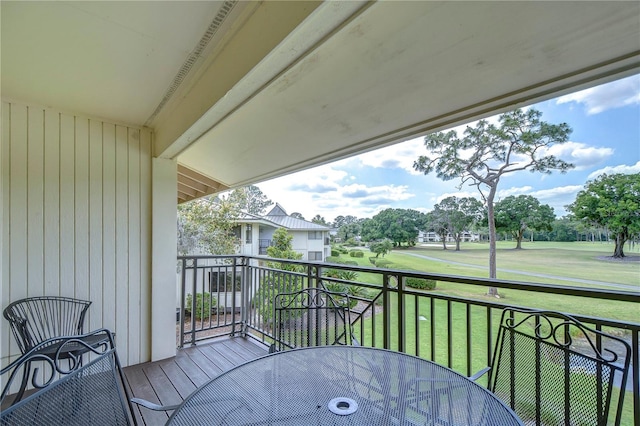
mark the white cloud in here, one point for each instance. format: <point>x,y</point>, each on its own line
<point>608,96</point>
<point>330,192</point>
<point>581,155</point>
<point>557,197</point>
<point>622,168</point>
<point>398,156</point>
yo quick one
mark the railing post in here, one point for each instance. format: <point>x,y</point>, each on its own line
<point>635,367</point>
<point>183,285</point>
<point>386,313</point>
<point>245,296</point>
<point>193,301</point>
<point>233,297</point>
<point>402,315</point>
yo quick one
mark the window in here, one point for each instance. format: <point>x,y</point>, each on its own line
<point>248,233</point>
<point>315,235</point>
<point>221,281</point>
<point>315,255</point>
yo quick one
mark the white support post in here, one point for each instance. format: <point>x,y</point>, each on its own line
<point>163,258</point>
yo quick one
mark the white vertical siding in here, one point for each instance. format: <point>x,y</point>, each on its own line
<point>76,220</point>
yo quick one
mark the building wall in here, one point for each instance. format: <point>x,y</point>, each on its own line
<point>302,244</point>
<point>76,220</point>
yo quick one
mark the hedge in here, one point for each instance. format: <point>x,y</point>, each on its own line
<point>203,310</point>
<point>420,283</point>
<point>356,253</point>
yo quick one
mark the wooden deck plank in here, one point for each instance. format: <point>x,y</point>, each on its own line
<point>179,379</point>
<point>141,388</point>
<point>220,356</point>
<point>170,381</point>
<point>192,370</point>
<point>209,367</point>
<point>249,346</point>
<point>162,385</point>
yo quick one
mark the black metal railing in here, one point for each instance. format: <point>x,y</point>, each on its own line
<point>457,330</point>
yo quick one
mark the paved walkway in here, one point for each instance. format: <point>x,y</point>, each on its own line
<point>532,274</point>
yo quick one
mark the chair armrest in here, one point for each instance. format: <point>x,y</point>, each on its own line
<point>151,406</point>
<point>479,374</point>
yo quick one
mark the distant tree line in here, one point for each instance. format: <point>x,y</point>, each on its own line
<point>607,209</point>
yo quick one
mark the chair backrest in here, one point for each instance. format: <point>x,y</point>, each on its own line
<point>552,369</point>
<point>36,319</point>
<point>67,391</point>
<point>311,317</point>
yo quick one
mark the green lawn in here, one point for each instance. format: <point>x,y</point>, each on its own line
<point>569,260</point>
<point>574,261</point>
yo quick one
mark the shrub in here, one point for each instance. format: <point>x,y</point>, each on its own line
<point>340,274</point>
<point>335,253</point>
<point>341,288</point>
<point>340,249</point>
<point>270,286</point>
<point>333,259</point>
<point>356,253</point>
<point>420,283</point>
<point>351,262</point>
<point>373,260</point>
<point>383,263</point>
<point>203,307</point>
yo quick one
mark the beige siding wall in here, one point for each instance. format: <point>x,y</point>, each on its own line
<point>76,220</point>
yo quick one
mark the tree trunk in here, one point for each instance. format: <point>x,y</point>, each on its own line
<point>458,242</point>
<point>519,236</point>
<point>493,291</point>
<point>620,240</point>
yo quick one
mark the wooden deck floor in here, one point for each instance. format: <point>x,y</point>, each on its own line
<point>170,381</point>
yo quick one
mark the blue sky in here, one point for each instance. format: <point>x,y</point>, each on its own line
<point>605,139</point>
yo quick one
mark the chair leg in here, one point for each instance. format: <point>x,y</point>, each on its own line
<point>24,382</point>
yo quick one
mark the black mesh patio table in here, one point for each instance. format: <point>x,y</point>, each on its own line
<point>342,385</point>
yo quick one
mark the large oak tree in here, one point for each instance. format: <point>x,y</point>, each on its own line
<point>487,152</point>
<point>517,214</point>
<point>458,215</point>
<point>611,201</point>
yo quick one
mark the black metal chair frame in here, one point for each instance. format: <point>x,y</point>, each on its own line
<point>57,361</point>
<point>44,322</point>
<point>36,319</point>
<point>525,380</point>
<point>308,306</point>
<point>61,375</point>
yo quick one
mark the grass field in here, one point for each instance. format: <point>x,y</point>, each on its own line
<point>574,264</point>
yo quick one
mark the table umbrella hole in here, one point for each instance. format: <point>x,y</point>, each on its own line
<point>342,406</point>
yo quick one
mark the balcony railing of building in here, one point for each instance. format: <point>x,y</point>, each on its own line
<point>234,294</point>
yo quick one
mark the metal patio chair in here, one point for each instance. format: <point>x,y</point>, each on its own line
<point>312,317</point>
<point>65,391</point>
<point>552,369</point>
<point>36,319</point>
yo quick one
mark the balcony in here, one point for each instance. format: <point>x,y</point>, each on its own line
<point>456,329</point>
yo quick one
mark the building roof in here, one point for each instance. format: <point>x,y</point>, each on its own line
<point>278,217</point>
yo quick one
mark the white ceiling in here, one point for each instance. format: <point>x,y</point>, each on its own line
<point>287,85</point>
<point>107,59</point>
